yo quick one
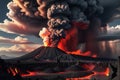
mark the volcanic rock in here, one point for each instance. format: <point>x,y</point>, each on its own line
<point>53,53</point>
<point>75,67</point>
<point>45,54</point>
<point>49,54</point>
<point>49,70</point>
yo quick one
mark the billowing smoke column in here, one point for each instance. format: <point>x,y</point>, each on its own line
<point>66,18</point>
<point>65,21</point>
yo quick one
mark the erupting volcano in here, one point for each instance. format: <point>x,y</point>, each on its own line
<point>64,25</point>
<point>70,23</point>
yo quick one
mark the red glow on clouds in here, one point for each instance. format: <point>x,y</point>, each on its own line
<point>71,40</point>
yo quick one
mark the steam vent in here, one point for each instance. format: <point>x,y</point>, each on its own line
<point>63,25</point>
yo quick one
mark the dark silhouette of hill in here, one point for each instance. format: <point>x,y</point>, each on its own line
<point>55,54</point>
<point>44,53</point>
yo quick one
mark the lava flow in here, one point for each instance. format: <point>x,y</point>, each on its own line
<point>104,73</point>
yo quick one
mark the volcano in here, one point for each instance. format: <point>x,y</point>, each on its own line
<point>38,69</point>
<point>54,54</point>
<point>52,62</point>
<point>45,54</point>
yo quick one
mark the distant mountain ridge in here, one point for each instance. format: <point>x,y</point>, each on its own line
<point>5,57</point>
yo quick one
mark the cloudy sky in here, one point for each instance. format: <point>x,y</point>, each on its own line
<point>14,44</point>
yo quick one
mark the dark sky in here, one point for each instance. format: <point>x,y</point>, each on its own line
<point>115,22</point>
<point>3,9</point>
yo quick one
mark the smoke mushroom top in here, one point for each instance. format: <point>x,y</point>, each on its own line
<point>58,17</point>
<point>62,15</point>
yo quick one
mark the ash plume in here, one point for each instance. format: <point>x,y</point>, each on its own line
<point>61,14</point>
<point>36,13</point>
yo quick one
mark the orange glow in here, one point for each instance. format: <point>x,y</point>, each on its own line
<point>70,42</point>
<point>30,74</point>
<point>94,55</point>
<point>12,71</point>
<point>46,42</point>
<point>106,72</point>
<point>79,53</point>
<point>81,78</point>
<point>44,34</point>
<point>88,66</point>
<point>16,70</point>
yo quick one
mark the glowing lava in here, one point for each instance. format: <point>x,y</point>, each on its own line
<point>106,72</point>
<point>71,41</point>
